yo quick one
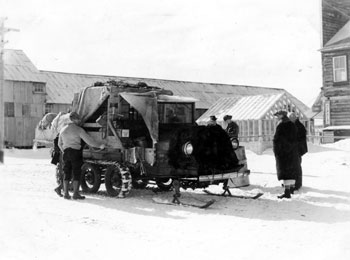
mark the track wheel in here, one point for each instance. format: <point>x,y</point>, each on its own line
<point>90,178</point>
<point>117,181</point>
<point>164,184</point>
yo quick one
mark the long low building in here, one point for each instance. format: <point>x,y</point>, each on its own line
<point>62,86</point>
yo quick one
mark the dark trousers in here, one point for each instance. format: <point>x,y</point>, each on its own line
<point>72,162</point>
<point>299,176</point>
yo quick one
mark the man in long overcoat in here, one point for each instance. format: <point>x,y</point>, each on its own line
<point>302,147</point>
<point>286,152</point>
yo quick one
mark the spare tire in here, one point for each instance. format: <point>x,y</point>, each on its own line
<point>212,148</point>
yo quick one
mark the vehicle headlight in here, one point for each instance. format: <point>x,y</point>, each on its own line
<point>187,148</point>
<point>235,143</point>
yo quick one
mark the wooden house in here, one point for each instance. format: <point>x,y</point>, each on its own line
<point>334,100</point>
<point>24,98</point>
<point>255,116</point>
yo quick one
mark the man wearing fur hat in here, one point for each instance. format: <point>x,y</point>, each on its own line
<point>302,147</point>
<point>70,144</point>
<point>286,152</point>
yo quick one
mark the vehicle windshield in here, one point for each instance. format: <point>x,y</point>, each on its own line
<point>175,113</point>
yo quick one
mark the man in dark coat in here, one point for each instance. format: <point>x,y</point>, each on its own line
<point>55,159</point>
<point>286,152</point>
<point>302,147</point>
<point>232,128</point>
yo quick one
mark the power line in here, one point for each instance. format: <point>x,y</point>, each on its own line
<point>3,30</point>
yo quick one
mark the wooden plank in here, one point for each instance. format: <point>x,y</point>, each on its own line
<point>18,109</point>
<point>19,131</point>
<point>38,98</point>
<point>248,130</point>
<point>260,130</point>
<point>8,91</point>
<point>10,126</point>
<point>37,110</point>
<point>19,89</point>
<point>29,93</point>
<point>28,132</point>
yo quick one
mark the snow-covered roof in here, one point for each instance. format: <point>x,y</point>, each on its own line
<point>62,86</point>
<point>18,67</point>
<point>253,107</point>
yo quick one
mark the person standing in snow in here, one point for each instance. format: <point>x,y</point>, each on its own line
<point>55,159</point>
<point>285,149</point>
<point>232,128</point>
<point>302,147</point>
<point>212,121</point>
<point>70,144</point>
<point>213,124</point>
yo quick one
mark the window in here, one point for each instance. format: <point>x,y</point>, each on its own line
<point>48,108</point>
<point>339,69</point>
<point>175,113</point>
<point>39,87</point>
<point>9,109</point>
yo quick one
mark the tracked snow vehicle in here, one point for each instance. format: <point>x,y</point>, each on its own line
<point>151,136</point>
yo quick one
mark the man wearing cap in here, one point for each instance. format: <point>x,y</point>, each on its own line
<point>70,144</point>
<point>232,128</point>
<point>302,147</point>
<point>212,121</point>
<point>286,152</point>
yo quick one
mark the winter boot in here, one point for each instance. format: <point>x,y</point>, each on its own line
<point>292,189</point>
<point>76,195</point>
<point>58,191</point>
<point>65,189</point>
<point>286,193</point>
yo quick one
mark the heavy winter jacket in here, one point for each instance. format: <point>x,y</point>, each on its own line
<point>232,129</point>
<point>285,148</point>
<point>301,137</point>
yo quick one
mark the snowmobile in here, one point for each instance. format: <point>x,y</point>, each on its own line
<point>152,137</point>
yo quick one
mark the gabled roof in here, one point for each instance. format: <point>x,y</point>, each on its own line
<point>317,105</point>
<point>252,107</point>
<point>62,86</point>
<point>18,67</point>
<point>340,41</point>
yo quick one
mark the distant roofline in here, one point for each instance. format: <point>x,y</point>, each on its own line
<point>171,80</point>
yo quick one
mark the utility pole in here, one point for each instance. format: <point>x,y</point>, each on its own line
<point>3,30</point>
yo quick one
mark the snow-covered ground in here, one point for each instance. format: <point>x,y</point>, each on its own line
<point>315,224</point>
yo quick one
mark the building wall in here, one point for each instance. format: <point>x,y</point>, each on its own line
<point>330,87</point>
<point>28,108</point>
<point>337,94</point>
<point>333,17</point>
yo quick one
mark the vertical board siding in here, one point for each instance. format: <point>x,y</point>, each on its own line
<point>8,91</point>
<point>20,130</point>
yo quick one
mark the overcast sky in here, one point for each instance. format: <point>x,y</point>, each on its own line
<point>270,43</point>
